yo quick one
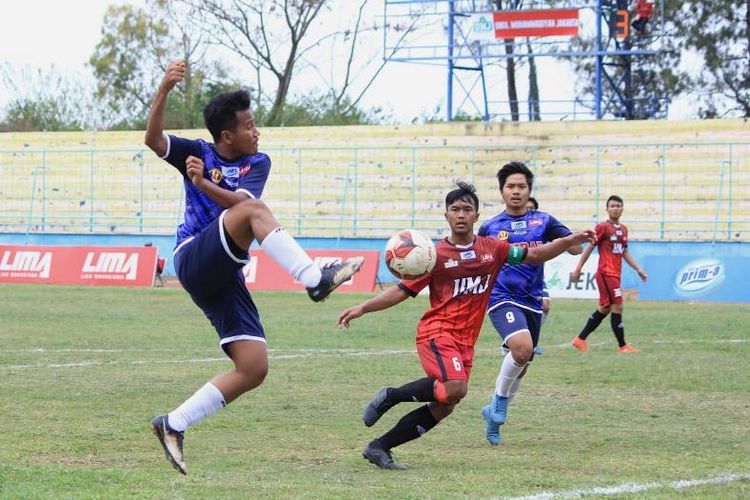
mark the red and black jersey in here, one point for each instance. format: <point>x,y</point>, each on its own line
<point>460,286</point>
<point>612,240</point>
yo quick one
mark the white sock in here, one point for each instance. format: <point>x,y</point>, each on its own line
<point>285,250</point>
<point>514,389</point>
<point>205,402</point>
<point>509,372</point>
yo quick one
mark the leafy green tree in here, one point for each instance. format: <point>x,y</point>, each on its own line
<point>719,33</point>
<point>44,100</point>
<point>653,78</point>
<point>132,55</point>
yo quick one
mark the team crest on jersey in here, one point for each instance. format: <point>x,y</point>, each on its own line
<point>450,263</point>
<point>518,224</point>
<point>216,176</point>
<point>487,257</point>
<point>503,235</point>
<point>618,232</point>
<point>536,222</point>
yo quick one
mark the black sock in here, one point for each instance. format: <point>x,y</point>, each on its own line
<point>618,329</point>
<point>594,321</point>
<point>411,426</point>
<point>418,390</point>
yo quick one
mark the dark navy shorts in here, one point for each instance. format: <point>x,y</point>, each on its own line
<point>510,319</point>
<point>209,266</point>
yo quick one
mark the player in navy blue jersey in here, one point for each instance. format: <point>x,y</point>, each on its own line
<point>223,215</point>
<point>515,306</point>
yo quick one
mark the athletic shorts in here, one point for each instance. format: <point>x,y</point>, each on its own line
<point>209,267</point>
<point>610,291</point>
<point>510,320</point>
<point>445,359</point>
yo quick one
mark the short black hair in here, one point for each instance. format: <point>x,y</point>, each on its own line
<point>220,112</point>
<point>534,202</point>
<point>614,197</point>
<point>515,167</point>
<point>465,192</point>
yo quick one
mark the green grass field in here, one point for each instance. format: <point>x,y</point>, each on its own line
<point>82,370</point>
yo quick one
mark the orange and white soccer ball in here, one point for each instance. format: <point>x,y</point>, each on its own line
<point>410,254</point>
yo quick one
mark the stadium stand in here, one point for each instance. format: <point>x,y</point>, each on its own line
<point>681,180</point>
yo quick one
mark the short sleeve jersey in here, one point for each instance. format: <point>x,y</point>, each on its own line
<point>459,285</point>
<point>522,285</point>
<point>612,240</point>
<point>246,174</point>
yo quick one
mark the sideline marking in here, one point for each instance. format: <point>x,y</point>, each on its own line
<point>301,353</point>
<point>636,488</point>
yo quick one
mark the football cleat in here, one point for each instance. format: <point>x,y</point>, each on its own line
<point>491,428</point>
<point>628,348</point>
<point>334,274</point>
<point>381,457</point>
<point>538,350</point>
<point>499,409</point>
<point>171,440</point>
<point>376,407</point>
<point>580,344</point>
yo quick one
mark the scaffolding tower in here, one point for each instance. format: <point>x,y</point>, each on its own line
<point>436,32</point>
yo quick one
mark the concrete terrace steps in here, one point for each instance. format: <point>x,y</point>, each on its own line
<point>325,175</point>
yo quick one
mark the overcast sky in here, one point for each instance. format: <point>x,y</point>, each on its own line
<point>63,33</point>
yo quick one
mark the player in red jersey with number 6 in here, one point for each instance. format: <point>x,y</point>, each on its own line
<point>460,286</point>
<point>612,241</point>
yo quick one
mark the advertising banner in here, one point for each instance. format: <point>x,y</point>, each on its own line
<point>703,279</point>
<point>78,265</point>
<point>557,276</point>
<point>490,26</point>
<point>263,273</point>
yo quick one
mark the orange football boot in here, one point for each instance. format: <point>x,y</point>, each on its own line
<point>628,348</point>
<point>580,344</point>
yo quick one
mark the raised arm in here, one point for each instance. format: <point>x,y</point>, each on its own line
<point>155,139</point>
<point>549,251</point>
<point>631,262</point>
<point>575,276</point>
<point>385,299</point>
<point>223,197</point>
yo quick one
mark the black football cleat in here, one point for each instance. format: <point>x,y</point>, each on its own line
<point>381,457</point>
<point>171,440</point>
<point>333,275</point>
<point>376,407</point>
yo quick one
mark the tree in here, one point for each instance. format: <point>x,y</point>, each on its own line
<point>249,29</point>
<point>132,55</point>
<point>653,78</point>
<point>719,32</point>
<point>510,64</point>
<point>45,100</point>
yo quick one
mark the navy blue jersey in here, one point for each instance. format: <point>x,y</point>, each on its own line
<point>246,174</point>
<point>522,284</point>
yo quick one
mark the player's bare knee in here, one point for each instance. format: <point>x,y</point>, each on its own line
<point>455,390</point>
<point>252,208</point>
<point>522,354</point>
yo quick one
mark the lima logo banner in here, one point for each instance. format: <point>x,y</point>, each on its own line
<point>699,277</point>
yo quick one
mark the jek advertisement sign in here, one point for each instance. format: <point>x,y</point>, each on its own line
<point>690,278</point>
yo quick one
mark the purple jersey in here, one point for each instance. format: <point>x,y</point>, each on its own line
<point>522,284</point>
<point>246,174</point>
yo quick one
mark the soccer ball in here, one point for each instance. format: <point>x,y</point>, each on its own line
<point>410,254</point>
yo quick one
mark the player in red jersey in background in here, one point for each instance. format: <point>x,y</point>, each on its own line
<point>612,241</point>
<point>460,286</point>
